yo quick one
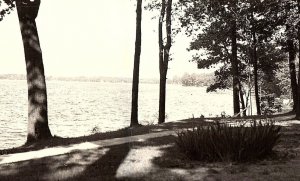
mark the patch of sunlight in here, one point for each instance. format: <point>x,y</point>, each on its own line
<point>190,174</point>
<point>178,171</point>
<point>158,130</point>
<point>209,120</point>
<point>288,123</point>
<point>34,43</point>
<point>138,162</point>
<point>119,141</point>
<point>46,152</point>
<point>72,165</point>
<point>40,98</point>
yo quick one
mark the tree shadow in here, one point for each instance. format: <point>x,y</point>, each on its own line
<point>290,138</point>
<point>106,167</point>
<point>181,124</point>
<point>125,132</point>
<point>94,164</point>
<point>103,164</point>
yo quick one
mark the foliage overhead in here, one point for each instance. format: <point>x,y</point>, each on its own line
<point>6,6</point>
<point>208,22</point>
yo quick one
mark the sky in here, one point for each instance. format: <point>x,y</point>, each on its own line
<point>91,38</point>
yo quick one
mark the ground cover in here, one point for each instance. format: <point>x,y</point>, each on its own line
<point>150,155</point>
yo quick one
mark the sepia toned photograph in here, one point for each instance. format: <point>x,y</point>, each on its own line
<point>155,90</point>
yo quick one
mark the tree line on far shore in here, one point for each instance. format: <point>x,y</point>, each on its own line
<point>194,79</point>
<point>186,79</point>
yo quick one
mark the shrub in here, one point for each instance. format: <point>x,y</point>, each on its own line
<point>223,142</point>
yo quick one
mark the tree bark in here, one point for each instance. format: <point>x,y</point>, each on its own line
<point>235,71</point>
<point>160,37</point>
<point>164,56</point>
<point>38,128</point>
<point>292,67</point>
<point>162,98</point>
<point>255,72</point>
<point>136,68</point>
<point>298,87</point>
<point>242,101</point>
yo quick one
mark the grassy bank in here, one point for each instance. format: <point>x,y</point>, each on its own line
<point>156,158</point>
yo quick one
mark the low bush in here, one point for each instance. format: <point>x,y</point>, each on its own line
<point>223,142</point>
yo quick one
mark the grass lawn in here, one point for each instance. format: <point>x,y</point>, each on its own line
<point>147,158</point>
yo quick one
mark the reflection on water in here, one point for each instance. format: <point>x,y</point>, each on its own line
<point>75,108</point>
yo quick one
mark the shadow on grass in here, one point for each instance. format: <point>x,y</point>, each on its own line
<point>103,164</point>
<point>93,164</point>
<point>106,167</point>
<point>288,147</point>
<point>77,165</point>
<point>181,124</point>
<point>125,132</point>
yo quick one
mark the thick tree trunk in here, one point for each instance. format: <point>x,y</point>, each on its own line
<point>136,68</point>
<point>292,66</point>
<point>164,55</point>
<point>235,71</point>
<point>38,128</point>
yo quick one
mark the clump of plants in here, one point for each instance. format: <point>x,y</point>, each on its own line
<point>224,142</point>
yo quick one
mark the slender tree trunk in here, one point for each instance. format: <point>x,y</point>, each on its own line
<point>292,66</point>
<point>162,98</point>
<point>38,128</point>
<point>162,95</point>
<point>136,68</point>
<point>164,56</point>
<point>298,88</point>
<point>255,67</point>
<point>235,71</point>
<point>292,55</point>
<point>255,73</point>
<point>242,101</point>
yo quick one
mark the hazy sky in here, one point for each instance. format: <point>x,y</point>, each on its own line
<point>91,38</point>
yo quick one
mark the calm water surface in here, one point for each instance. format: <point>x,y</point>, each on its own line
<point>75,108</point>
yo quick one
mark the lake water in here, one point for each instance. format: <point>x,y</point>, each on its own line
<point>75,108</point>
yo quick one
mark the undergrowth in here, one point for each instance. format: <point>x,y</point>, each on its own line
<point>224,142</point>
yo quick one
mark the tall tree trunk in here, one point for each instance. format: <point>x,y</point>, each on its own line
<point>292,66</point>
<point>298,88</point>
<point>164,55</point>
<point>291,49</point>
<point>235,71</point>
<point>255,72</point>
<point>136,68</point>
<point>38,128</point>
<point>162,89</point>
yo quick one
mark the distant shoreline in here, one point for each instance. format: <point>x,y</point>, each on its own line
<point>187,80</point>
<point>81,79</point>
